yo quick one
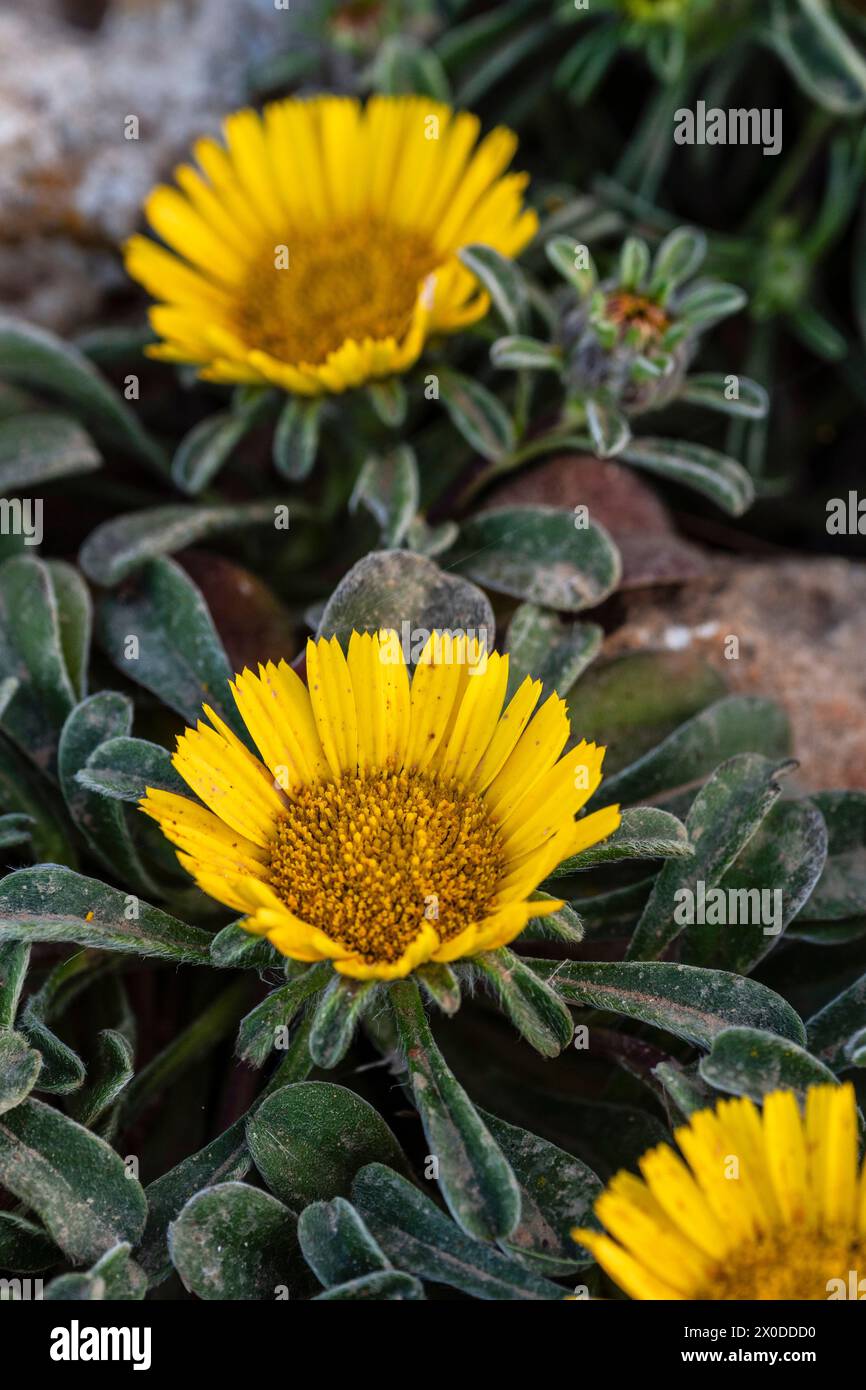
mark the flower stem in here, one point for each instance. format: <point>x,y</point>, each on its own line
<point>296,1065</point>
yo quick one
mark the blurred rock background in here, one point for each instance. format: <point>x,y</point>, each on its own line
<point>71,72</point>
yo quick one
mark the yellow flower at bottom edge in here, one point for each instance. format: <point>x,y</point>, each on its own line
<point>388,823</point>
<point>765,1206</point>
<point>316,249</point>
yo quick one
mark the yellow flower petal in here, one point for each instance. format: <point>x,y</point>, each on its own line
<point>276,708</point>
<point>475,719</point>
<point>333,701</point>
<point>380,683</point>
<point>629,1211</point>
<point>436,688</point>
<point>682,1201</point>
<point>833,1152</point>
<point>786,1154</point>
<point>718,1167</point>
<point>555,796</point>
<point>220,770</point>
<point>535,752</point>
<point>421,950</point>
<point>506,734</point>
<point>632,1276</point>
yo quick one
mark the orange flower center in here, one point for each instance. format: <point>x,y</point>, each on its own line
<point>637,311</point>
<point>794,1263</point>
<point>307,295</point>
<point>371,859</point>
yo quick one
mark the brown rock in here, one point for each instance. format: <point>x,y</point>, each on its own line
<point>253,624</point>
<point>800,626</point>
<point>627,507</point>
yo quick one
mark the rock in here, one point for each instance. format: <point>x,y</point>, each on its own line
<point>409,593</point>
<point>800,626</point>
<point>639,522</point>
<point>252,622</point>
<point>71,183</point>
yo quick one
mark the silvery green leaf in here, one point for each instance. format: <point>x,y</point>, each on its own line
<point>574,263</point>
<point>502,279</point>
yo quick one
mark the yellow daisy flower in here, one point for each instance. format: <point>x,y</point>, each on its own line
<point>388,822</point>
<point>765,1206</point>
<point>316,249</point>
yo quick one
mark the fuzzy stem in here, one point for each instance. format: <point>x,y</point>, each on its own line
<point>296,1065</point>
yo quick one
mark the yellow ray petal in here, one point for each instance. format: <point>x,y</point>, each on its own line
<point>222,887</point>
<point>502,926</point>
<point>202,834</point>
<point>514,720</point>
<point>293,938</point>
<point>679,1196</point>
<point>492,156</point>
<point>343,154</point>
<point>435,689</point>
<point>592,829</point>
<point>719,1169</point>
<point>631,1276</point>
<point>228,779</point>
<point>165,275</point>
<point>333,701</point>
<point>741,1121</point>
<point>365,671</point>
<point>216,164</point>
<point>785,1147</point>
<point>398,700</point>
<point>629,1211</point>
<point>250,157</point>
<point>522,877</point>
<point>381,685</point>
<point>182,328</point>
<point>837,1174</point>
<point>417,174</point>
<point>276,708</point>
<point>507,923</point>
<point>535,753</point>
<point>289,377</point>
<point>269,916</point>
<point>458,142</point>
<point>212,208</point>
<point>527,870</point>
<point>416,954</point>
<point>475,719</point>
<point>556,796</point>
<point>171,215</point>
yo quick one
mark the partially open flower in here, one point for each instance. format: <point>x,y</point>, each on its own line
<point>623,344</point>
<point>388,822</point>
<point>765,1206</point>
<point>317,249</point>
<point>633,335</point>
